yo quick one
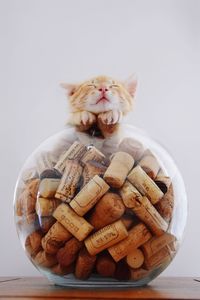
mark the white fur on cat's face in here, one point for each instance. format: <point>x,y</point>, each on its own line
<point>101,94</point>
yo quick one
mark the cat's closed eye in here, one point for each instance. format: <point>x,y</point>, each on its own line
<point>92,85</point>
<point>113,85</point>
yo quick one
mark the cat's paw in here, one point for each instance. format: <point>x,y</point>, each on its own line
<point>82,118</point>
<point>87,118</point>
<point>110,117</point>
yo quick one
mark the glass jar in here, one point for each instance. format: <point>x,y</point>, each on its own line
<point>94,212</point>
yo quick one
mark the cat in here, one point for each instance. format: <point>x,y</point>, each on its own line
<point>98,105</point>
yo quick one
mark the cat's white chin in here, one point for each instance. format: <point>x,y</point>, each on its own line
<point>102,106</point>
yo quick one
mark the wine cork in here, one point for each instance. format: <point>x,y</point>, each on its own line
<point>120,166</point>
<point>163,182</point>
<point>91,169</point>
<point>61,270</point>
<point>45,207</point>
<point>145,185</point>
<point>137,274</point>
<point>28,223</point>
<point>33,243</point>
<point>162,173</point>
<point>122,271</point>
<point>150,165</point>
<point>89,195</point>
<point>132,147</point>
<point>147,213</point>
<point>106,237</point>
<point>105,265</point>
<point>46,160</point>
<point>108,210</point>
<point>68,254</point>
<point>129,194</point>
<point>76,152</point>
<point>18,206</point>
<point>174,245</point>
<point>55,238</point>
<point>45,260</point>
<point>84,264</point>
<point>155,244</point>
<point>75,224</point>
<point>25,204</point>
<point>45,223</point>
<point>27,199</point>
<point>147,152</point>
<point>93,154</point>
<point>137,236</point>
<point>135,259</point>
<point>50,173</point>
<point>166,205</point>
<point>48,187</point>
<point>32,187</point>
<point>69,181</point>
<point>159,258</point>
<point>129,220</point>
<point>31,218</point>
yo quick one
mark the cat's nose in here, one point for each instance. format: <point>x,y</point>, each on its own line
<point>103,89</point>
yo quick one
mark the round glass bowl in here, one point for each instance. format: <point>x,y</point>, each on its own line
<point>94,212</point>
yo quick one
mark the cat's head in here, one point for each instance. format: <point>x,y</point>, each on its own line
<point>101,94</point>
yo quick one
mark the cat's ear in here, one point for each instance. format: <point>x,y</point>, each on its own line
<point>131,85</point>
<point>70,88</point>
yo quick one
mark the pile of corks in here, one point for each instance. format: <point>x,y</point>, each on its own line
<point>86,214</point>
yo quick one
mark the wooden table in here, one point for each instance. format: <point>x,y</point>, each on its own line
<point>38,287</point>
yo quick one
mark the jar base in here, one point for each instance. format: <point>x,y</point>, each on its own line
<point>71,282</point>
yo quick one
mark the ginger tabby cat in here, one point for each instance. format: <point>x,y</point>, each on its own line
<point>98,105</point>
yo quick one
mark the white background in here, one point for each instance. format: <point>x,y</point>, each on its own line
<point>45,42</point>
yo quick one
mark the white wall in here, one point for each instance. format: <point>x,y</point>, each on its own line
<point>44,42</point>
